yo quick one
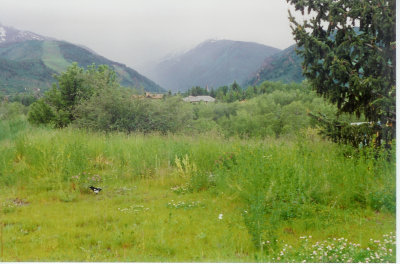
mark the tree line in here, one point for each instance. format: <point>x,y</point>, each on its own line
<point>234,92</point>
<point>93,99</point>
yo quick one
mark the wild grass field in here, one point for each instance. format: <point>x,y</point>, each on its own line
<point>204,198</point>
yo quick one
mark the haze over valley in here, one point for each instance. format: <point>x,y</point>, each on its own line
<point>210,64</point>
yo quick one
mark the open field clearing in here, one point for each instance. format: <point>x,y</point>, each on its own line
<point>180,198</point>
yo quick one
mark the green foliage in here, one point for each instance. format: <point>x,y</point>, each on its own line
<point>41,113</point>
<point>115,110</point>
<point>353,67</point>
<point>93,100</point>
<point>26,98</point>
<point>224,93</point>
<point>197,90</point>
<point>280,110</point>
<point>356,134</point>
<point>9,111</point>
<point>75,87</point>
<point>234,92</point>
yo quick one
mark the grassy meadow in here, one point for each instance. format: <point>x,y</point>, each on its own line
<point>204,198</point>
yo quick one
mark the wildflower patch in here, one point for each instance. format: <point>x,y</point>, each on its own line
<point>134,209</point>
<point>185,205</point>
<point>339,250</point>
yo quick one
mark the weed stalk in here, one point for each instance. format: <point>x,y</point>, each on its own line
<point>1,241</point>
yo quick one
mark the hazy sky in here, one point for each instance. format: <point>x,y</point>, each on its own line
<point>140,32</point>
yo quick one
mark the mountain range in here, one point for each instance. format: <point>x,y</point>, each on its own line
<point>212,63</point>
<point>28,61</point>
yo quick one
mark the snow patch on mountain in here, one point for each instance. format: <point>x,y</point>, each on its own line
<point>26,35</point>
<point>3,34</point>
<point>10,34</point>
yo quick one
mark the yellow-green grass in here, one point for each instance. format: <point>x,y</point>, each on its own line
<point>109,227</point>
<point>150,209</point>
<point>97,228</point>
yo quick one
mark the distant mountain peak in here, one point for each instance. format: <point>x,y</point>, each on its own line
<point>3,34</point>
<point>10,35</point>
<point>211,63</point>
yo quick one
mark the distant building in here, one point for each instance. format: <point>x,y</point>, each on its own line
<point>200,98</point>
<point>137,96</point>
<point>148,96</point>
<point>154,96</point>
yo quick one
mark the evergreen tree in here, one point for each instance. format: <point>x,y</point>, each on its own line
<point>349,56</point>
<point>235,87</point>
<point>213,93</point>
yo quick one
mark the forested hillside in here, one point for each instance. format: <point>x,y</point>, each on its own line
<point>30,65</point>
<point>284,66</point>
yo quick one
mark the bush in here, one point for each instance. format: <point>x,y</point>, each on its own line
<point>74,87</point>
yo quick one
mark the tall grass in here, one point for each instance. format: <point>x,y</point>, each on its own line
<point>282,182</point>
<point>9,129</point>
<point>182,198</point>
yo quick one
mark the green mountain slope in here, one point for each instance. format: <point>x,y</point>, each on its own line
<point>27,75</point>
<point>52,57</point>
<point>284,66</point>
<point>30,65</point>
